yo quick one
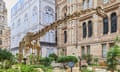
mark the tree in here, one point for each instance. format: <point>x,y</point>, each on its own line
<point>6,55</point>
<point>6,58</point>
<point>112,56</point>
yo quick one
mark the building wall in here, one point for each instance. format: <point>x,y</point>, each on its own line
<point>75,41</point>
<point>29,16</point>
<point>4,29</point>
<point>47,50</point>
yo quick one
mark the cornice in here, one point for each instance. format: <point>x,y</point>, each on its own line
<point>111,7</point>
<point>61,2</point>
<point>85,17</point>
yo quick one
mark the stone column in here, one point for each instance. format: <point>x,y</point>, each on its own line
<point>95,26</point>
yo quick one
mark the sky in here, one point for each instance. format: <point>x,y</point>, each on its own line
<point>9,5</point>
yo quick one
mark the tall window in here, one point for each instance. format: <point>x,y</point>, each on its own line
<point>65,36</point>
<point>49,51</point>
<point>65,14</point>
<point>113,22</point>
<point>105,1</point>
<point>83,51</point>
<point>35,15</point>
<point>48,15</point>
<point>0,41</point>
<point>84,4</point>
<point>90,3</point>
<point>56,36</point>
<point>88,49</point>
<point>104,50</point>
<point>90,29</point>
<point>52,36</point>
<point>84,30</point>
<point>105,25</point>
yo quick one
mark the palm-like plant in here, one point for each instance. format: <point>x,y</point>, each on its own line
<point>112,56</point>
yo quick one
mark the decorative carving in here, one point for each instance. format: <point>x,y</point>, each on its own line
<point>100,12</point>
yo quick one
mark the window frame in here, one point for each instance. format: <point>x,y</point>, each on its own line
<point>90,28</point>
<point>84,30</point>
<point>113,22</point>
<point>105,25</point>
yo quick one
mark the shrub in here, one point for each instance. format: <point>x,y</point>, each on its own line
<point>87,57</point>
<point>45,61</point>
<point>65,59</point>
<point>44,68</point>
<point>6,55</point>
<point>25,68</point>
<point>6,64</point>
<point>53,57</point>
<point>112,57</point>
<point>12,70</point>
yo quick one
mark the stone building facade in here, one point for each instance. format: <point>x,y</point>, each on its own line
<point>4,29</point>
<point>32,16</point>
<point>88,33</point>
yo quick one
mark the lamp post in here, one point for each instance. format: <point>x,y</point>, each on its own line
<point>71,65</point>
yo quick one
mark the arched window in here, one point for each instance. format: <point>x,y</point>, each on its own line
<point>0,41</point>
<point>84,30</point>
<point>84,4</point>
<point>64,11</point>
<point>90,28</point>
<point>35,15</point>
<point>105,25</point>
<point>90,3</point>
<point>25,19</point>
<point>113,22</point>
<point>52,36</point>
<point>48,15</point>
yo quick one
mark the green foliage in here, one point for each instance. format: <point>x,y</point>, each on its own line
<point>45,61</point>
<point>25,68</point>
<point>64,59</point>
<point>34,59</point>
<point>30,58</point>
<point>112,57</point>
<point>6,59</point>
<point>86,70</point>
<point>87,57</point>
<point>46,69</point>
<point>6,55</point>
<point>12,70</point>
<point>96,60</point>
<point>6,64</point>
<point>53,56</point>
<point>117,39</point>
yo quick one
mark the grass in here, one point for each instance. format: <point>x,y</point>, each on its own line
<point>86,70</point>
